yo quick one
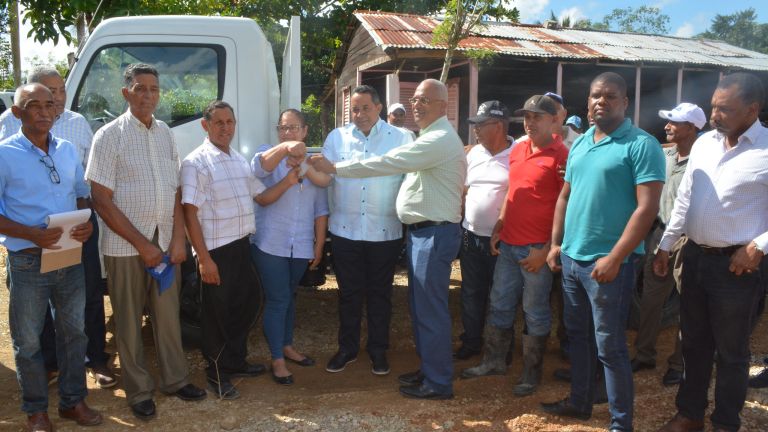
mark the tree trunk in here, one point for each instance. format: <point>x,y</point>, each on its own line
<point>81,26</point>
<point>13,21</point>
<point>446,65</point>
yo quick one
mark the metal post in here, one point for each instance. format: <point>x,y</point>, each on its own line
<point>638,75</point>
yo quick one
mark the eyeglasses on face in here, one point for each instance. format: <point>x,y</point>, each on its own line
<point>288,128</point>
<point>47,160</point>
<point>420,99</point>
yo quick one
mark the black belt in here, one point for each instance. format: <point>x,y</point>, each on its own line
<point>721,251</point>
<point>32,251</point>
<point>425,224</point>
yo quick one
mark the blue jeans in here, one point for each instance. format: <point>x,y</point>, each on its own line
<point>477,266</point>
<point>607,306</point>
<point>280,276</point>
<point>511,283</point>
<point>31,293</point>
<point>431,250</point>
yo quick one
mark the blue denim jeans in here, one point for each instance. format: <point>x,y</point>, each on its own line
<point>31,293</point>
<point>477,266</point>
<point>596,320</point>
<point>431,250</point>
<point>280,277</point>
<point>512,283</point>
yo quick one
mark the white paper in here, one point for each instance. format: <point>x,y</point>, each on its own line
<point>66,221</point>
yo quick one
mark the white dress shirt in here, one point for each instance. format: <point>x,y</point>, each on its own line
<point>364,208</point>
<point>723,197</point>
<point>141,167</point>
<point>487,182</point>
<point>69,126</point>
<point>222,187</point>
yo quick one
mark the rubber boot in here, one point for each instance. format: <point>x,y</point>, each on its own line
<point>497,342</point>
<point>533,358</point>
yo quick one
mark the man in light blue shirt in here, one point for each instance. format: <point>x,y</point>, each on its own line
<point>74,128</point>
<point>41,175</point>
<point>366,234</point>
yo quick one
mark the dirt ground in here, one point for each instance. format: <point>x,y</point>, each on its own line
<point>357,400</point>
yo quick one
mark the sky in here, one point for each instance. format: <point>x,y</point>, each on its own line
<point>685,20</point>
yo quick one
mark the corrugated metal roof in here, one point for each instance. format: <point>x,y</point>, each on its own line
<point>413,31</point>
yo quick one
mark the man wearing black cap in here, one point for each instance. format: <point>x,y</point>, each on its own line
<point>486,187</point>
<point>521,239</point>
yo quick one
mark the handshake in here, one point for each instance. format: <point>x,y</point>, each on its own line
<point>296,153</point>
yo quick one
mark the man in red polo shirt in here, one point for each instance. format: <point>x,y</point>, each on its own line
<point>521,239</point>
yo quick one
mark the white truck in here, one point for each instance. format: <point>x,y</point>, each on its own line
<point>199,59</point>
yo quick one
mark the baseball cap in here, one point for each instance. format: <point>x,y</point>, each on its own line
<point>490,110</point>
<point>686,112</point>
<point>574,120</point>
<point>556,97</point>
<point>539,104</point>
<point>395,106</point>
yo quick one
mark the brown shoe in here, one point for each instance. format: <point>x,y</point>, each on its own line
<point>678,423</point>
<point>39,422</point>
<point>83,415</point>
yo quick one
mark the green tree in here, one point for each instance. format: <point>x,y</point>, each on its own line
<point>645,19</point>
<point>740,29</point>
<point>462,18</point>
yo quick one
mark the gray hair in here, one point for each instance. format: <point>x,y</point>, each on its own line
<point>442,90</point>
<point>138,69</point>
<point>22,93</point>
<point>41,72</point>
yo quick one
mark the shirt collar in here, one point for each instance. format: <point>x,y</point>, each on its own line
<point>619,132</point>
<point>437,124</point>
<point>137,122</point>
<point>212,147</point>
<point>52,143</point>
<point>750,136</point>
<point>374,129</point>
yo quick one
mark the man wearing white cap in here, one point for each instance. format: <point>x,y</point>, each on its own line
<point>396,117</point>
<point>684,123</point>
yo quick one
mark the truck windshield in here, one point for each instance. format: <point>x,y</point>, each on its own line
<point>191,76</point>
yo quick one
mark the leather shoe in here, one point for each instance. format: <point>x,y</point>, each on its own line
<point>144,410</point>
<point>190,392</point>
<point>423,392</point>
<point>678,423</point>
<point>672,377</point>
<point>39,422</point>
<point>339,361</point>
<point>103,376</point>
<point>249,371</point>
<point>307,361</point>
<point>638,365</point>
<point>563,408</point>
<point>379,364</point>
<point>223,390</point>
<point>760,380</point>
<point>286,380</point>
<point>81,414</point>
<point>411,378</point>
<point>464,353</point>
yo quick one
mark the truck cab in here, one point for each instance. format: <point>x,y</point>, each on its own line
<point>199,59</point>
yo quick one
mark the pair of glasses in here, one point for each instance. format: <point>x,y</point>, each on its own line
<point>420,99</point>
<point>291,128</point>
<point>47,160</point>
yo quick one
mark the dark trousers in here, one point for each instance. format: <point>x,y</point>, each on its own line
<point>228,310</point>
<point>95,327</point>
<point>364,271</point>
<point>717,314</point>
<point>477,266</point>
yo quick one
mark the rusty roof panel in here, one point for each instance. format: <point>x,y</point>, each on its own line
<point>413,31</point>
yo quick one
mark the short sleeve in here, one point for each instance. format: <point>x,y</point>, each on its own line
<point>648,161</point>
<point>103,158</point>
<point>194,183</point>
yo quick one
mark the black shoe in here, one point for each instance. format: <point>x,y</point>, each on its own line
<point>307,361</point>
<point>250,370</point>
<point>564,408</point>
<point>339,361</point>
<point>674,377</point>
<point>379,364</point>
<point>223,390</point>
<point>760,380</point>
<point>144,410</point>
<point>286,380</point>
<point>190,393</point>
<point>638,365</point>
<point>423,392</point>
<point>411,378</point>
<point>562,374</point>
<point>464,353</point>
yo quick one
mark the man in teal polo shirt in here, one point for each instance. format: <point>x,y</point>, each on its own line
<point>613,181</point>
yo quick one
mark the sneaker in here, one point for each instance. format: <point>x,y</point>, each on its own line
<point>103,376</point>
<point>339,361</point>
<point>379,364</point>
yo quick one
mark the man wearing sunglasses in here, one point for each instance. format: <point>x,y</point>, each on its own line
<point>42,175</point>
